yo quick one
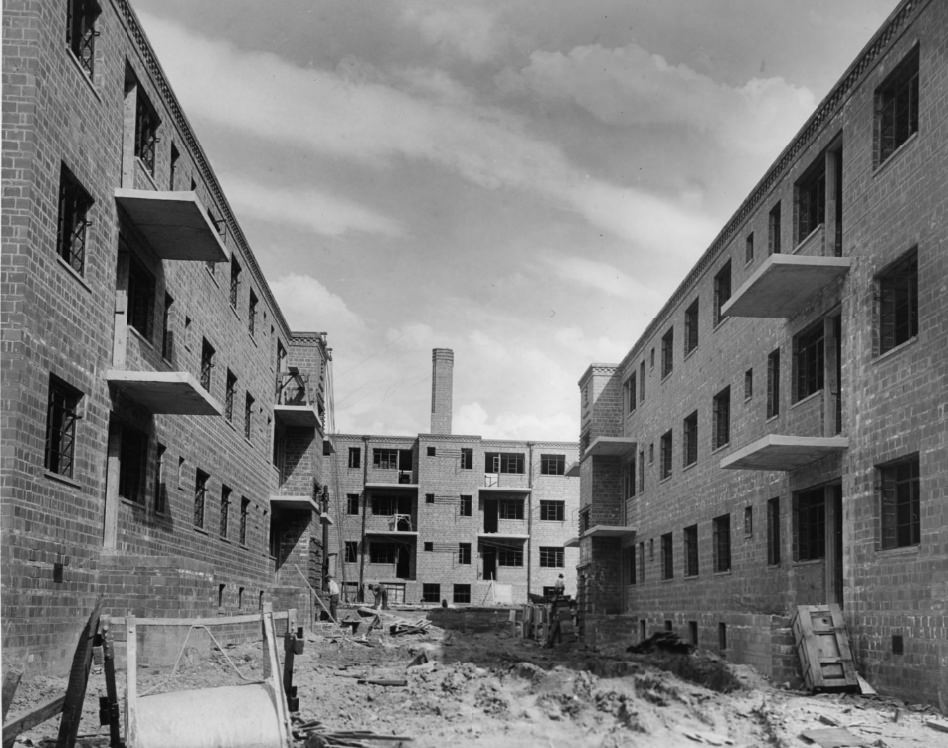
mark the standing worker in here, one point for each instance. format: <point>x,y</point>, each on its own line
<point>560,586</point>
<point>333,588</point>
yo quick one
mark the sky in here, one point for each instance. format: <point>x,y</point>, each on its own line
<point>524,182</point>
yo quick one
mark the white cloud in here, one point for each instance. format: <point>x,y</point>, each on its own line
<point>600,276</point>
<point>468,30</point>
<point>630,86</point>
<point>308,305</point>
<point>312,210</point>
<point>350,117</point>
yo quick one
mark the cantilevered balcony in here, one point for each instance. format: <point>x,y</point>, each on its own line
<point>783,284</point>
<point>602,531</point>
<point>299,502</point>
<point>297,406</point>
<point>175,224</point>
<point>783,452</point>
<point>611,446</point>
<point>170,392</point>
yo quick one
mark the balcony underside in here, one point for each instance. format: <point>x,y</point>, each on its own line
<point>298,503</point>
<point>170,392</point>
<point>782,452</point>
<point>502,536</point>
<point>572,471</point>
<point>174,224</point>
<point>781,286</point>
<point>296,416</point>
<point>503,489</point>
<point>611,446</point>
<point>394,533</point>
<point>392,487</point>
<point>602,531</point>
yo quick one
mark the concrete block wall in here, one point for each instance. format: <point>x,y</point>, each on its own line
<point>57,321</point>
<point>892,405</point>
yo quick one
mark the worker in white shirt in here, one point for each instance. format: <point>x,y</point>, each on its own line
<point>333,588</point>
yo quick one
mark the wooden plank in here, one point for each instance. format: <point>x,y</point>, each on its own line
<point>78,681</point>
<point>115,735</point>
<point>131,685</point>
<point>10,682</point>
<point>215,621</point>
<point>28,721</point>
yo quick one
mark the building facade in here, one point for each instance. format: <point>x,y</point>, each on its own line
<point>778,436</point>
<point>442,516</point>
<point>161,424</point>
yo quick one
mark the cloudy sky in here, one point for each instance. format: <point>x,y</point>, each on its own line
<point>522,181</point>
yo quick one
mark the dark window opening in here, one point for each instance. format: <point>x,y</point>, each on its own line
<point>229,392</point>
<point>74,206</point>
<point>244,512</point>
<point>690,537</point>
<point>503,462</point>
<point>225,511</point>
<point>642,382</point>
<point>141,297</point>
<point>551,557</point>
<point>722,636</point>
<point>811,199</point>
<point>722,290</point>
<point>431,593</point>
<point>691,327</point>
<point>900,503</point>
<point>462,593</point>
<point>721,532</point>
<point>773,383</point>
<point>749,248</point>
<point>748,384</point>
<point>898,644</point>
<point>80,31</point>
<point>690,437</point>
<point>630,393</point>
<point>510,509</point>
<point>429,546</point>
<point>629,480</point>
<point>234,282</point>
<point>252,313</point>
<point>161,490</point>
<point>383,553</point>
<point>200,497</point>
<point>431,451</point>
<point>773,230</point>
<point>467,458</point>
<point>668,570</point>
<point>773,531</point>
<point>352,503</point>
<point>552,464</point>
<point>464,553</point>
<point>507,556</point>
<point>167,335</point>
<point>207,363</point>
<point>248,416</point>
<point>146,130</point>
<point>897,107</point>
<point>809,515</point>
<point>633,572</point>
<point>429,498</point>
<point>668,347</point>
<point>808,360</point>
<point>748,521</point>
<point>61,415</point>
<point>133,464</point>
<point>552,511</point>
<point>898,302</point>
<point>351,551</point>
<point>385,459</point>
<point>466,506</point>
<point>721,414</point>
<point>173,162</point>
<point>355,457</point>
<point>665,450</point>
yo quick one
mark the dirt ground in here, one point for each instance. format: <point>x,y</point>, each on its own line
<point>493,689</point>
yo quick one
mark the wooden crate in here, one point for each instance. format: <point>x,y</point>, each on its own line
<point>823,648</point>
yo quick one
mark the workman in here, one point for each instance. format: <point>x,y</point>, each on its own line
<point>381,595</point>
<point>332,586</point>
<point>560,587</point>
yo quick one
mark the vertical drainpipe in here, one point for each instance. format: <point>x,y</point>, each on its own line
<point>529,517</point>
<point>365,510</point>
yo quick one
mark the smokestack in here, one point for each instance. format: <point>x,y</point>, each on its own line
<point>442,390</point>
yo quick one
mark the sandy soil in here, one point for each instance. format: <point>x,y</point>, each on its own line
<point>497,690</point>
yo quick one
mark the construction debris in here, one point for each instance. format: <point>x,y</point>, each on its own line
<point>662,641</point>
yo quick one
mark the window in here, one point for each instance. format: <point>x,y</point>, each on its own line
<point>225,510</point>
<point>244,512</point>
<point>811,199</point>
<point>668,345</point>
<point>630,392</point>
<point>651,358</point>
<point>234,282</point>
<point>281,356</point>
<point>808,360</point>
<point>510,509</point>
<point>641,470</point>
<point>61,415</point>
<point>430,593</point>
<point>748,521</point>
<point>252,313</point>
<point>552,511</point>
<point>642,561</point>
<point>146,131</point>
<point>668,570</point>
<point>552,464</point>
<point>773,383</point>
<point>642,382</point>
<point>721,413</point>
<point>431,451</point>
<point>167,336</point>
<point>897,107</point>
<point>809,520</point>
<point>633,572</point>
<point>503,462</point>
<point>248,416</point>
<point>351,551</point>
<point>722,290</point>
<point>584,519</point>
<point>748,384</point>
<point>651,453</point>
<point>231,389</point>
<point>383,553</point>
<point>355,457</point>
<point>773,531</point>
<point>200,495</point>
<point>467,458</point>
<point>385,459</point>
<point>690,438</point>
<point>352,503</point>
<point>386,506</point>
<point>133,462</point>
<point>466,506</point>
<point>721,532</point>
<point>141,297</point>
<point>173,160</point>
<point>429,498</point>
<point>773,230</point>
<point>464,553</point>
<point>161,491</point>
<point>74,207</point>
<point>690,537</point>
<point>507,556</point>
<point>691,327</point>
<point>462,593</point>
<point>900,506</point>
<point>749,248</point>
<point>80,31</point>
<point>551,557</point>
<point>898,302</point>
<point>629,481</point>
<point>207,364</point>
<point>429,546</point>
<point>665,454</point>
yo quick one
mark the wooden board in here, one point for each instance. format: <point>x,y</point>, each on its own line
<point>823,648</point>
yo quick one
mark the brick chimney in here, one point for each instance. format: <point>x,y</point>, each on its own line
<point>442,390</point>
